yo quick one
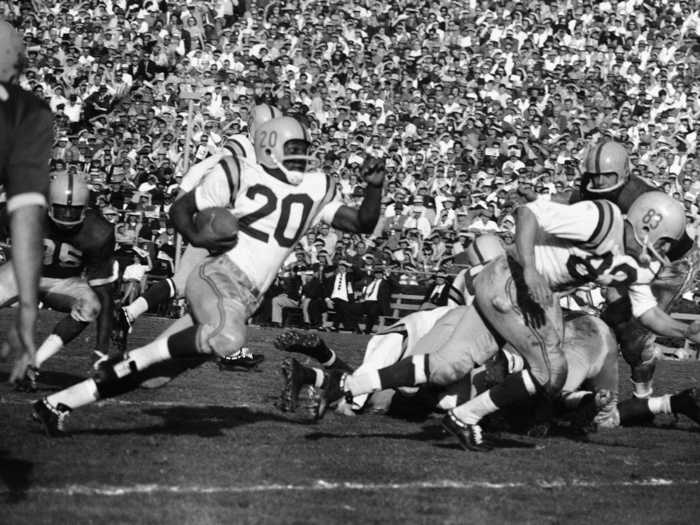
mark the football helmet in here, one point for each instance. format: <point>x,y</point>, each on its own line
<point>283,144</point>
<point>68,199</point>
<point>608,159</point>
<point>12,53</point>
<point>483,249</point>
<point>657,221</point>
<point>259,115</point>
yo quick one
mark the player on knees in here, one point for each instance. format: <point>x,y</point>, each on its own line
<point>274,201</point>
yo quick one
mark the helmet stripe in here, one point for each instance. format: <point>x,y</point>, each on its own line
<point>272,112</point>
<point>477,251</point>
<point>596,162</point>
<point>69,190</point>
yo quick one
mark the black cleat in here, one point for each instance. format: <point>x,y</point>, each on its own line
<point>332,391</point>
<point>52,418</point>
<point>470,436</point>
<point>297,341</point>
<point>309,401</point>
<point>583,417</point>
<point>121,328</point>
<point>243,360</point>
<point>687,403</point>
<point>29,382</point>
<point>291,372</point>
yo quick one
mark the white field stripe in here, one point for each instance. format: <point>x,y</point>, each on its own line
<point>321,485</point>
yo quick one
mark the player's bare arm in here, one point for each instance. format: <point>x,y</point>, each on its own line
<point>183,213</point>
<point>364,218</point>
<point>659,322</point>
<point>525,232</point>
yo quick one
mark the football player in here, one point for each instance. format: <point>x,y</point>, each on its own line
<point>275,200</point>
<point>78,270</point>
<point>606,175</point>
<point>26,139</point>
<point>239,145</point>
<point>558,247</point>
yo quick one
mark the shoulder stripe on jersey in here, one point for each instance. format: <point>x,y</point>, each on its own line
<point>456,296</point>
<point>235,147</point>
<point>606,216</point>
<point>230,177</point>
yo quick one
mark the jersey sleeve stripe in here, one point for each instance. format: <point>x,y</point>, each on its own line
<point>330,191</point>
<point>230,177</point>
<point>605,222</point>
<point>456,296</point>
<point>236,148</point>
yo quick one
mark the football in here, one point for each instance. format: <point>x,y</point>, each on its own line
<point>219,221</point>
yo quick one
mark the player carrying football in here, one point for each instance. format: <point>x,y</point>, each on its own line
<point>26,139</point>
<point>275,201</point>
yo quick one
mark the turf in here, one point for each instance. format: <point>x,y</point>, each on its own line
<point>211,448</point>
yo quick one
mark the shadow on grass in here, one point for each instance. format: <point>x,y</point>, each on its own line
<point>16,475</point>
<point>207,421</point>
<point>50,380</point>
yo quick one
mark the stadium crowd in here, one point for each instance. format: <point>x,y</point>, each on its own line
<point>467,101</point>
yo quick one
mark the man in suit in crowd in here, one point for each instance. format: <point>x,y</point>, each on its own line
<point>312,301</point>
<point>375,300</point>
<point>340,294</point>
<point>289,298</point>
<point>438,293</point>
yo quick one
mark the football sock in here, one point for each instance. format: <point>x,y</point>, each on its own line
<point>76,396</point>
<point>49,347</point>
<point>68,329</point>
<point>515,388</point>
<point>320,378</point>
<point>410,371</point>
<point>312,376</point>
<point>634,411</point>
<point>183,343</point>
<point>154,352</point>
<point>137,308</point>
<point>642,390</point>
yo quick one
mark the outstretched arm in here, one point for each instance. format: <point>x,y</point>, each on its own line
<point>659,322</point>
<point>525,232</point>
<point>364,218</point>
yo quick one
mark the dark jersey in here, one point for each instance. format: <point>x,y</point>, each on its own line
<point>88,249</point>
<point>624,197</point>
<point>26,139</point>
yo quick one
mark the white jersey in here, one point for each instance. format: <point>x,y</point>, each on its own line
<point>238,145</point>
<point>462,289</point>
<point>272,215</point>
<point>583,242</point>
<point>414,326</point>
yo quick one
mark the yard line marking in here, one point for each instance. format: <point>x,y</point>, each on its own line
<point>321,485</point>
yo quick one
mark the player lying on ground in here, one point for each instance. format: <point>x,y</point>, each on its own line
<point>275,202</point>
<point>558,247</point>
<point>238,145</point>
<point>589,395</point>
<point>26,140</point>
<point>78,272</point>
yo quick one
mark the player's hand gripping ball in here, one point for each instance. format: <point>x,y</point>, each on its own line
<point>217,230</point>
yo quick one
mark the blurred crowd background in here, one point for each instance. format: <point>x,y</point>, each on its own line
<point>468,101</point>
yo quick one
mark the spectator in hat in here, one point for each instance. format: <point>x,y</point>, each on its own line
<point>312,298</point>
<point>289,297</point>
<point>339,294</point>
<point>438,293</point>
<point>374,300</point>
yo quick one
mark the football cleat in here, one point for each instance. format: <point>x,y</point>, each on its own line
<point>687,403</point>
<point>334,390</point>
<point>28,383</point>
<point>52,418</point>
<point>470,436</point>
<point>291,372</point>
<point>242,360</point>
<point>297,341</point>
<point>309,401</point>
<point>583,417</point>
<point>121,328</point>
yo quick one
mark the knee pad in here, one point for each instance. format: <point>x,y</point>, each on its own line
<point>86,308</point>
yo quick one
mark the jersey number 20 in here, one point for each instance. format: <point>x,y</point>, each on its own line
<point>245,223</point>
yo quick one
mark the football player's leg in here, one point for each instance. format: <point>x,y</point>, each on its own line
<point>312,345</point>
<point>167,289</point>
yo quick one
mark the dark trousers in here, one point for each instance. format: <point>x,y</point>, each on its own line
<point>368,309</point>
<point>316,309</point>
<point>343,315</point>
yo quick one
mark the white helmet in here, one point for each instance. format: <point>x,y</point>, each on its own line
<point>259,115</point>
<point>656,218</point>
<point>68,198</point>
<point>483,249</point>
<point>12,56</point>
<point>606,158</point>
<point>274,140</point>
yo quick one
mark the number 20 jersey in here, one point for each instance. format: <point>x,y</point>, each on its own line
<point>272,215</point>
<point>583,242</point>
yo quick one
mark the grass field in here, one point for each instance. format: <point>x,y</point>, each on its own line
<point>211,448</point>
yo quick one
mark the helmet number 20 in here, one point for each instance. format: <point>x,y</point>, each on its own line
<point>268,139</point>
<point>652,219</point>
